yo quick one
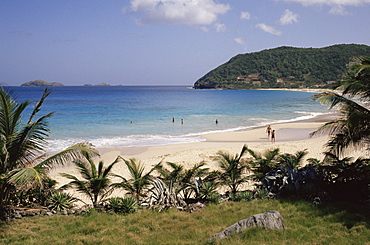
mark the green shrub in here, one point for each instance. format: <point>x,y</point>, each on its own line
<point>244,196</point>
<point>262,194</point>
<point>122,205</point>
<point>61,201</point>
<point>214,198</point>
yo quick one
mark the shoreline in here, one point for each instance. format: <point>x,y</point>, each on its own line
<point>290,138</point>
<point>57,145</point>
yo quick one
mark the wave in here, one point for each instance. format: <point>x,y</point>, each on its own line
<point>126,141</point>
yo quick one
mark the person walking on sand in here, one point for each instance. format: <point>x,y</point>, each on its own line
<point>273,137</point>
<point>268,130</point>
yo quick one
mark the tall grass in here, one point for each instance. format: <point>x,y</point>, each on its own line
<point>305,224</point>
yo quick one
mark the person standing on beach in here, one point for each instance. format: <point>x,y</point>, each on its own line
<point>268,130</point>
<point>273,136</point>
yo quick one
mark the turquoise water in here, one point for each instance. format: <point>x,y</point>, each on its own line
<point>141,116</point>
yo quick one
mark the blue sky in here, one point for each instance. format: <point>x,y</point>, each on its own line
<point>161,42</point>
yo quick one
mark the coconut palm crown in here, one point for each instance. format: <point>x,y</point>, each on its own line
<point>352,128</point>
<point>138,182</point>
<point>24,162</point>
<point>96,180</point>
<point>232,169</point>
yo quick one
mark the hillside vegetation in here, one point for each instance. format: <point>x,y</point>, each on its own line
<point>283,67</point>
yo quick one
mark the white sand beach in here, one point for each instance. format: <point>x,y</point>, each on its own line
<point>290,138</point>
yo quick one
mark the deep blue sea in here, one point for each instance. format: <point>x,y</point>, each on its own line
<point>142,115</point>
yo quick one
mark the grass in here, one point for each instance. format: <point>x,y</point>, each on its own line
<point>340,223</point>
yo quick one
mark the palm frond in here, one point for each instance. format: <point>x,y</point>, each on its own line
<point>26,177</point>
<point>38,105</point>
<point>76,151</point>
<point>255,155</point>
<point>108,169</point>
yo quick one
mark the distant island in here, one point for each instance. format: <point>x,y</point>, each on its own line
<point>40,83</point>
<point>100,84</point>
<point>283,67</point>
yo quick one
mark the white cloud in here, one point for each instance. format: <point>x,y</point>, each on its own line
<point>268,29</point>
<point>185,12</point>
<point>337,6</point>
<point>338,9</point>
<point>329,2</point>
<point>239,40</point>
<point>288,17</point>
<point>220,27</point>
<point>245,16</point>
<point>204,28</point>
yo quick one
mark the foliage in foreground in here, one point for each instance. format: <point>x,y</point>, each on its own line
<point>24,164</point>
<point>340,223</point>
<point>95,182</point>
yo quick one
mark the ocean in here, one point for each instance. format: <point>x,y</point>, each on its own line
<point>143,115</point>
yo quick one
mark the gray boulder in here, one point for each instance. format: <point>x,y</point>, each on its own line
<point>270,220</point>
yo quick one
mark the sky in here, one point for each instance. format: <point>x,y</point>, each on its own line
<point>161,42</point>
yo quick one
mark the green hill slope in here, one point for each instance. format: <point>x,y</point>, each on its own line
<point>283,67</point>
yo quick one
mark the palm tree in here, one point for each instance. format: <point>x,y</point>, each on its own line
<point>96,183</point>
<point>232,169</point>
<point>352,128</point>
<point>292,161</point>
<point>23,161</point>
<point>183,180</point>
<point>172,176</point>
<point>194,180</point>
<point>138,182</point>
<point>263,163</point>
<point>356,81</point>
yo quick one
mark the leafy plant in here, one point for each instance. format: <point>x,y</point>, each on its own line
<point>233,170</point>
<point>263,163</point>
<point>163,197</point>
<point>207,190</point>
<point>36,196</point>
<point>352,128</point>
<point>214,198</point>
<point>244,196</point>
<point>61,201</point>
<point>96,182</point>
<point>137,184</point>
<point>23,161</point>
<point>262,193</point>
<point>122,205</point>
<point>187,182</point>
<point>346,178</point>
